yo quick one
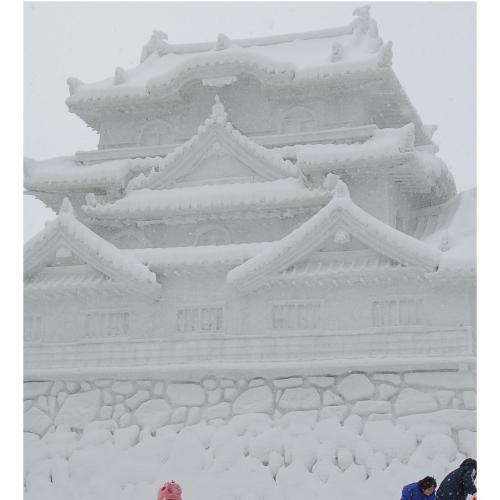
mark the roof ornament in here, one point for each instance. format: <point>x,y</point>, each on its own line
<point>341,190</point>
<point>219,114</point>
<point>365,29</point>
<point>120,76</point>
<point>223,42</point>
<point>74,84</point>
<point>330,181</point>
<point>66,207</point>
<point>157,43</point>
<point>336,52</point>
<point>385,55</point>
<point>90,199</point>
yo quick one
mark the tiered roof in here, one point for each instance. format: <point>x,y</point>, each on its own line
<point>293,57</point>
<point>68,232</point>
<point>222,199</point>
<point>338,220</point>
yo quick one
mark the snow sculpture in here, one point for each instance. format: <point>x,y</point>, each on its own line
<point>365,30</point>
<point>189,253</point>
<point>385,55</point>
<point>74,84</point>
<point>223,42</point>
<point>120,76</point>
<point>336,52</point>
<point>157,43</point>
<point>219,114</point>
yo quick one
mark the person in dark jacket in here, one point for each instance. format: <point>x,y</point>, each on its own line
<point>421,490</point>
<point>459,483</point>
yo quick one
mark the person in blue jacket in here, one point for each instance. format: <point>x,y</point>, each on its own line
<point>459,483</point>
<point>421,490</point>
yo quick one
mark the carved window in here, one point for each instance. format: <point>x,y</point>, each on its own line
<point>200,319</point>
<point>296,316</point>
<point>155,133</point>
<point>33,326</point>
<point>212,236</point>
<point>106,324</point>
<point>397,312</point>
<point>298,120</point>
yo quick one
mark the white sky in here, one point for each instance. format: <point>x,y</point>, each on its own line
<point>434,58</point>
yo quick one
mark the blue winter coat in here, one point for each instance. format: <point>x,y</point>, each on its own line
<point>413,492</point>
<point>457,484</point>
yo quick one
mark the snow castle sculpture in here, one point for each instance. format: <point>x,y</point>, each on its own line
<point>250,210</point>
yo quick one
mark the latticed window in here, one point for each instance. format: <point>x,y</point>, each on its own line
<point>33,328</point>
<point>298,120</point>
<point>296,316</point>
<point>398,312</point>
<point>106,324</point>
<point>200,319</point>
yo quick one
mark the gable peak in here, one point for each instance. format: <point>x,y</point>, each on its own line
<point>66,207</point>
<point>219,114</point>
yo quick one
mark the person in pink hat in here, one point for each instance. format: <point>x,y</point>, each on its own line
<point>170,491</point>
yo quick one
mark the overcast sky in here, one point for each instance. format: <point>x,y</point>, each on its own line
<point>434,58</point>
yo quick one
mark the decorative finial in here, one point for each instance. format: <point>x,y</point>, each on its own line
<point>341,190</point>
<point>74,84</point>
<point>157,43</point>
<point>362,12</point>
<point>385,55</point>
<point>341,237</point>
<point>120,76</point>
<point>331,181</point>
<point>219,114</point>
<point>90,199</point>
<point>223,42</point>
<point>336,52</point>
<point>365,30</point>
<point>66,207</point>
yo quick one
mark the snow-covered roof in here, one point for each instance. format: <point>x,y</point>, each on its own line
<point>392,148</point>
<point>66,230</point>
<point>220,137</point>
<point>383,142</point>
<point>297,56</point>
<point>150,204</point>
<point>164,259</point>
<point>65,173</point>
<point>337,219</point>
<point>451,227</point>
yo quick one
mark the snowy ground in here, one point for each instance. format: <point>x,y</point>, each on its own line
<point>250,457</point>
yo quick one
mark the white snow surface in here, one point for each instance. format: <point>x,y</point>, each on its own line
<point>160,259</point>
<point>457,230</point>
<point>384,142</point>
<point>68,229</point>
<point>65,172</point>
<point>151,203</point>
<point>250,457</point>
<point>296,56</point>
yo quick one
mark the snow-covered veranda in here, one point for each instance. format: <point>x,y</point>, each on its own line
<point>261,284</point>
